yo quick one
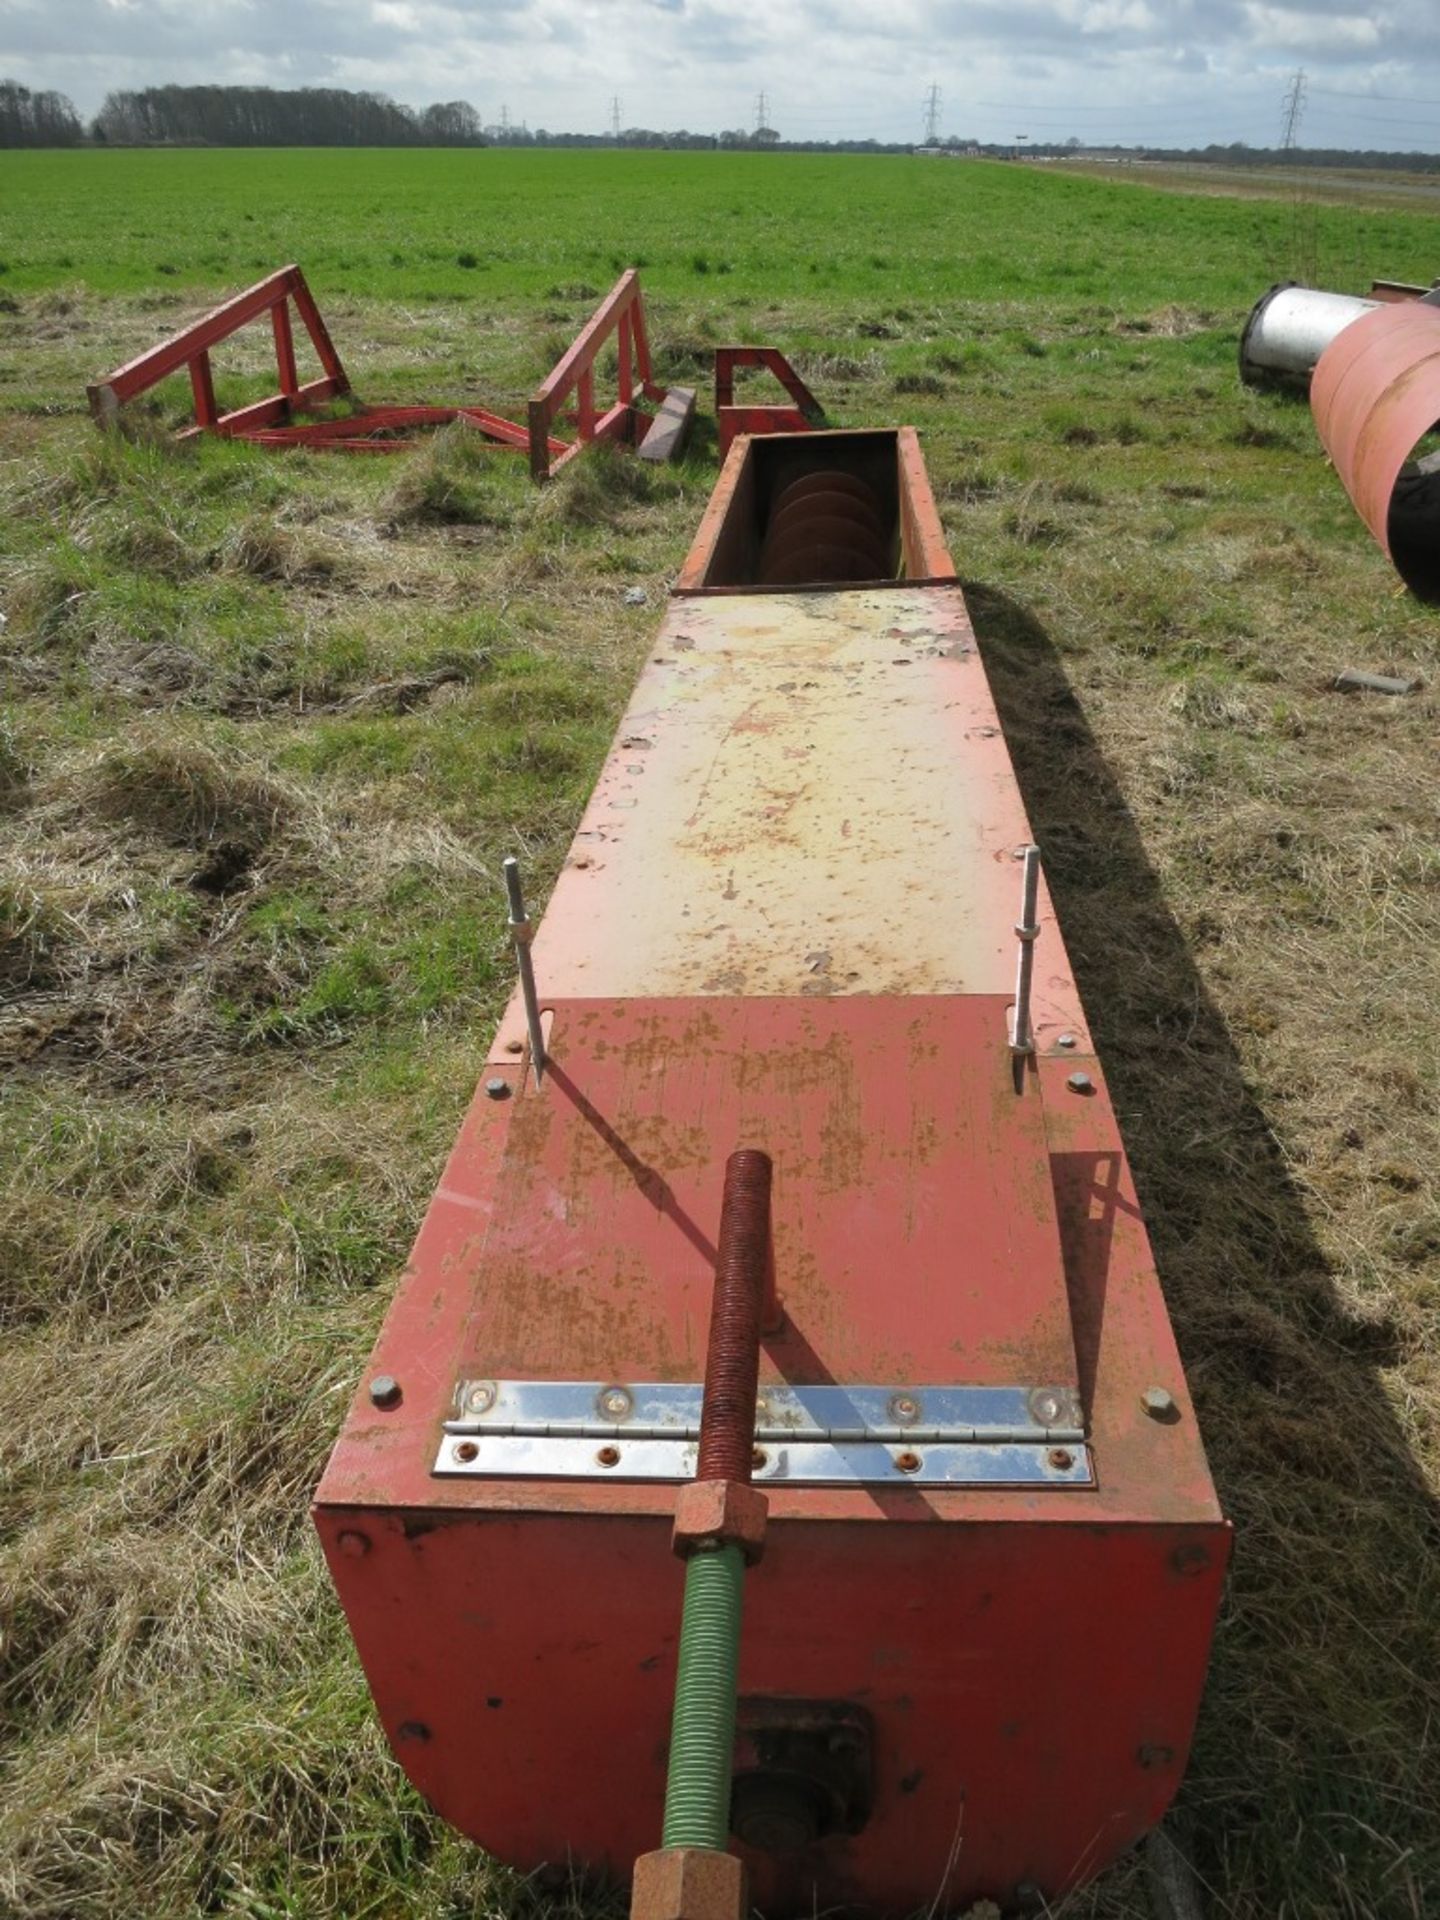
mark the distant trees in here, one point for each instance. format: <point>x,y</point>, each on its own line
<point>36,119</point>
<point>335,117</point>
<point>270,117</point>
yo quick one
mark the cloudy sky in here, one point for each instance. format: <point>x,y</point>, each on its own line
<point>1178,72</point>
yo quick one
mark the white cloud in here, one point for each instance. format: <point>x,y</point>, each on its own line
<point>1166,71</point>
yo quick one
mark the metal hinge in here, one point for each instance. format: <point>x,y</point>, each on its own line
<point>826,1435</point>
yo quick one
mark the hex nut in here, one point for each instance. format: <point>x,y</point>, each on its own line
<point>497,1089</point>
<point>385,1390</point>
<point>1080,1083</point>
<point>1159,1403</point>
<point>711,1513</point>
<point>688,1883</point>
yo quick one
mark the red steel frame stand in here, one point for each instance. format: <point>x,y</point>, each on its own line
<point>803,411</point>
<point>278,420</point>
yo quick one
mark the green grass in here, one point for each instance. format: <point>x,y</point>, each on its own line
<point>556,226</point>
<point>270,726</point>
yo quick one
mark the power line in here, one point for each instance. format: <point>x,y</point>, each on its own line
<point>932,117</point>
<point>1406,99</point>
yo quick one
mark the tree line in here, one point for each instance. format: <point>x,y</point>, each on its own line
<point>235,117</point>
<point>37,119</point>
<point>270,117</point>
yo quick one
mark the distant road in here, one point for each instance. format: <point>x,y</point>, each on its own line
<point>1342,186</point>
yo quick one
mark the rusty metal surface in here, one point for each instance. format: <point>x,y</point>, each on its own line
<point>688,1883</point>
<point>899,1147</point>
<point>809,794</point>
<point>508,1635</point>
<point>1375,396</point>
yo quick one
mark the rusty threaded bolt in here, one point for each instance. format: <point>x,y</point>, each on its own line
<point>732,1362</point>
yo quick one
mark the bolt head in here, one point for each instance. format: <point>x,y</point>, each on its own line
<point>904,1409</point>
<point>1066,1040</point>
<point>385,1391</point>
<point>353,1544</point>
<point>1061,1459</point>
<point>497,1089</point>
<point>1160,1404</point>
<point>1080,1083</point>
<point>615,1403</point>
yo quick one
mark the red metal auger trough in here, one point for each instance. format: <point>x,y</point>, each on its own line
<point>283,419</point>
<point>791,1228</point>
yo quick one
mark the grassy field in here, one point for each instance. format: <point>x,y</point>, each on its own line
<point>272,723</point>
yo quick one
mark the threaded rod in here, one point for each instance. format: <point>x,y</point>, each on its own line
<point>702,1728</point>
<point>732,1364</point>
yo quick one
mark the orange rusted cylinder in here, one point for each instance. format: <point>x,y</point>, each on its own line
<point>1375,396</point>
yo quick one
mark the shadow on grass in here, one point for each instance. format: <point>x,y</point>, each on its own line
<point>1312,1786</point>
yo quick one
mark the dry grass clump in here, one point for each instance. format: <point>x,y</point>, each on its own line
<point>604,488</point>
<point>262,546</point>
<point>455,477</point>
<point>192,795</point>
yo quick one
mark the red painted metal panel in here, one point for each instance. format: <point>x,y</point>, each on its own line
<point>1375,394</point>
<point>915,1235</point>
<point>1032,1687</point>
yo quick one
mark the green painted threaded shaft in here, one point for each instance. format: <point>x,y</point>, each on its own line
<point>702,1731</point>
